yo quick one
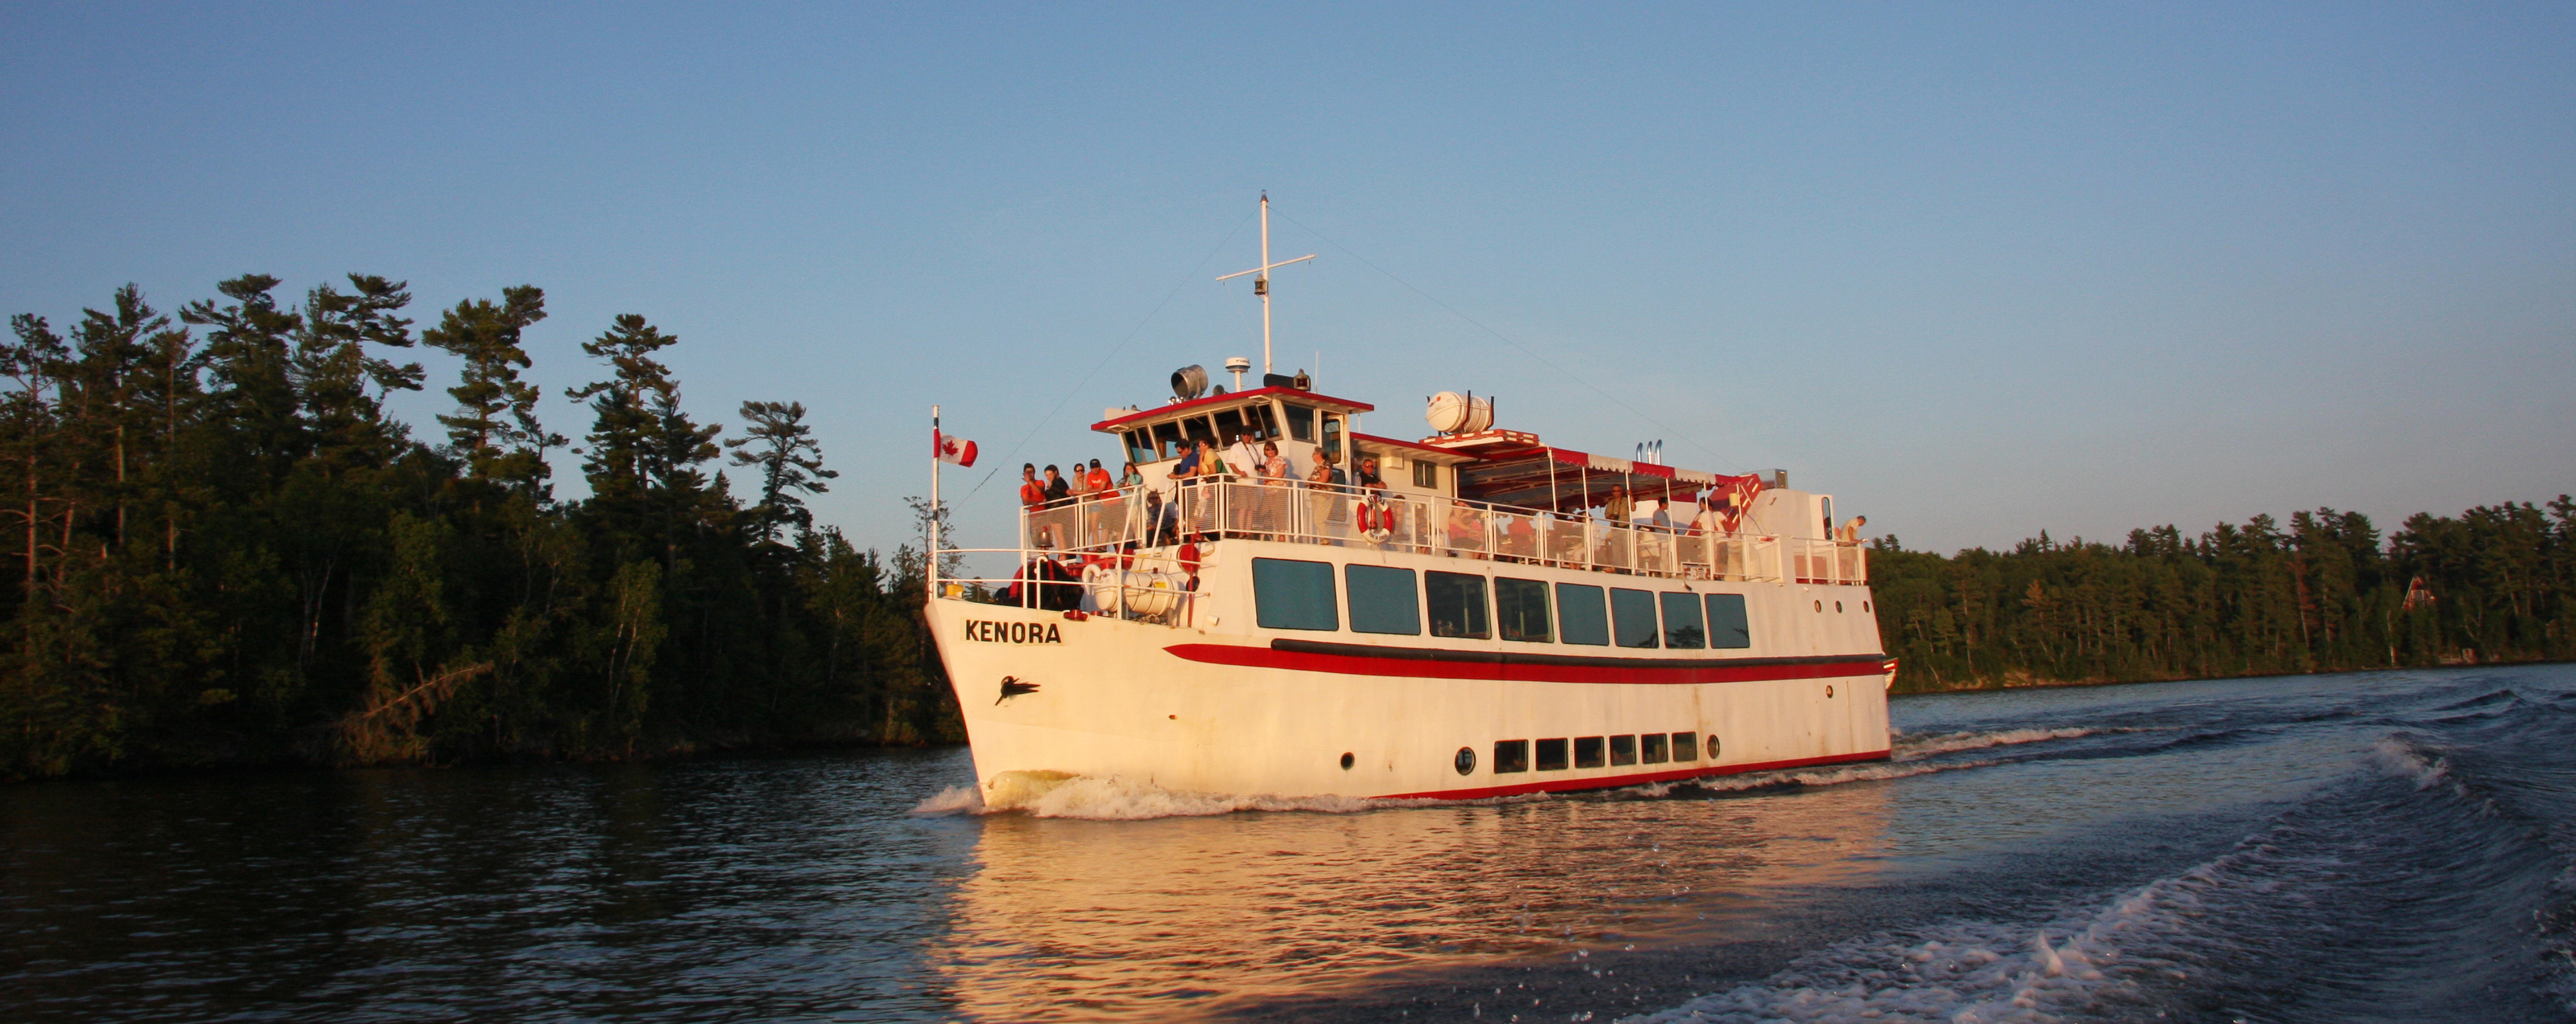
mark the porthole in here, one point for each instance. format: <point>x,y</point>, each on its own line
<point>1838,607</point>
<point>1864,606</point>
<point>1466,760</point>
<point>1820,606</point>
<point>1712,746</point>
<point>1348,761</point>
<point>1829,695</point>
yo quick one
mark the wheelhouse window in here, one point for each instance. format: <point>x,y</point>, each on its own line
<point>1263,424</point>
<point>1511,756</point>
<point>1580,615</point>
<point>1229,425</point>
<point>1587,752</point>
<point>1293,595</point>
<point>1520,610</point>
<point>1683,630</point>
<point>1685,746</point>
<point>1551,755</point>
<point>1727,626</point>
<point>1301,422</point>
<point>1196,429</point>
<point>1382,600</point>
<point>1456,602</point>
<point>1140,446</point>
<point>1633,612</point>
<point>1332,442</point>
<point>1167,441</point>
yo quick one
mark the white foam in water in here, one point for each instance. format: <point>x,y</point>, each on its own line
<point>953,800</point>
<point>1971,972</point>
<point>1909,747</point>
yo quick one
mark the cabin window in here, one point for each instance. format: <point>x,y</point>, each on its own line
<point>1580,617</point>
<point>1683,630</point>
<point>1551,755</point>
<point>1293,595</point>
<point>1726,623</point>
<point>1587,752</point>
<point>1456,602</point>
<point>1167,441</point>
<point>1263,423</point>
<point>1382,600</point>
<point>1633,612</point>
<point>1623,750</point>
<point>1196,429</point>
<point>1426,475</point>
<point>1332,443</point>
<point>1653,748</point>
<point>1301,422</point>
<point>1520,610</point>
<point>1511,756</point>
<point>1229,425</point>
<point>1685,746</point>
<point>1140,446</point>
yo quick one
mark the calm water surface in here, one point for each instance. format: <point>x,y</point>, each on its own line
<point>2385,846</point>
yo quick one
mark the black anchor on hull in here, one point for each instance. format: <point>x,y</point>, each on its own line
<point>1013,687</point>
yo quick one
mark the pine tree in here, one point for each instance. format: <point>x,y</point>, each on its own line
<point>790,462</point>
<point>495,430</point>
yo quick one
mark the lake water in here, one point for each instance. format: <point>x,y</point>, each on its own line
<point>2374,847</point>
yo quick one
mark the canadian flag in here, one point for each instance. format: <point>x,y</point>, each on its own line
<point>952,449</point>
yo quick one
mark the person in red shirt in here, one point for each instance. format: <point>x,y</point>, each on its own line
<point>1032,493</point>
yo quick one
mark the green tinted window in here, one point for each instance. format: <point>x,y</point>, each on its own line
<point>1726,624</point>
<point>1456,602</point>
<point>1634,613</point>
<point>1682,629</point>
<point>1580,616</point>
<point>1382,600</point>
<point>1520,609</point>
<point>1293,595</point>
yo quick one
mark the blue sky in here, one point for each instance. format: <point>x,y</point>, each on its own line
<point>1978,271</point>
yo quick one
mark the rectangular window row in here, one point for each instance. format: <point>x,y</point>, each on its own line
<point>1292,594</point>
<point>1557,755</point>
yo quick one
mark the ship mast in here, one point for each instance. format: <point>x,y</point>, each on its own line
<point>1261,284</point>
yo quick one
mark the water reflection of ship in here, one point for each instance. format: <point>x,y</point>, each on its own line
<point>1072,919</point>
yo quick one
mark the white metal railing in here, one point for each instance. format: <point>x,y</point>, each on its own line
<point>1084,528</point>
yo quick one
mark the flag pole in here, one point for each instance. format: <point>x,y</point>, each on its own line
<point>930,549</point>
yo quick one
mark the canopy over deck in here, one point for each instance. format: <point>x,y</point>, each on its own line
<point>1564,480</point>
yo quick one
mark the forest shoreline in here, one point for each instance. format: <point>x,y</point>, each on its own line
<point>2054,684</point>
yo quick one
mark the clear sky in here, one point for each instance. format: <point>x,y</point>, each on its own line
<point>1978,271</point>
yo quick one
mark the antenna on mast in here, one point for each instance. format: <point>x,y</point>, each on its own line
<point>1261,284</point>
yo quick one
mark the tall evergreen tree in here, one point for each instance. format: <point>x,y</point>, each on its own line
<point>782,447</point>
<point>495,429</point>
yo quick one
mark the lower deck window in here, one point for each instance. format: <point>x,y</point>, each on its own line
<point>1290,594</point>
<point>1551,755</point>
<point>1652,748</point>
<point>1727,626</point>
<point>1623,750</point>
<point>1632,613</point>
<point>1682,628</point>
<point>1382,600</point>
<point>1456,603</point>
<point>1511,756</point>
<point>1587,752</point>
<point>1685,746</point>
<point>1520,609</point>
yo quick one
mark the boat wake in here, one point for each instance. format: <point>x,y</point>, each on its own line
<point>2409,890</point>
<point>1909,747</point>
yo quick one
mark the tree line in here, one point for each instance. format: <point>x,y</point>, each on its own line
<point>2328,593</point>
<point>225,551</point>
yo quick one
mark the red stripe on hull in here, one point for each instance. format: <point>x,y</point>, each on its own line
<point>1361,665</point>
<point>1639,779</point>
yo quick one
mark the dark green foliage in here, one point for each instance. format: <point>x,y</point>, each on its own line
<point>228,553</point>
<point>2494,584</point>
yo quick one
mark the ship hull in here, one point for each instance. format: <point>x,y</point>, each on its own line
<point>1203,707</point>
